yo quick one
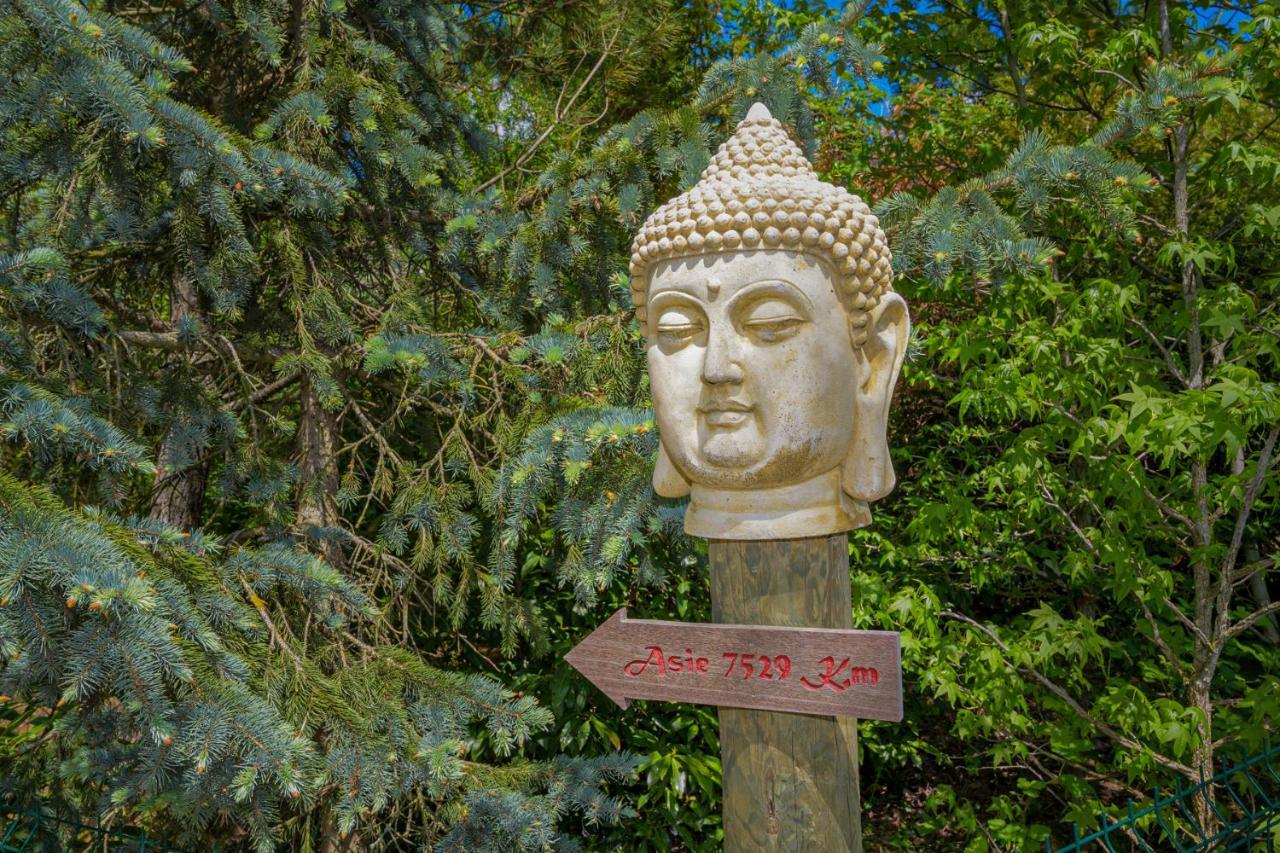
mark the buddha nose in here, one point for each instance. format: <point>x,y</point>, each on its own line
<point>721,364</point>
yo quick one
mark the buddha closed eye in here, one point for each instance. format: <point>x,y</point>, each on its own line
<point>680,325</point>
<point>771,319</point>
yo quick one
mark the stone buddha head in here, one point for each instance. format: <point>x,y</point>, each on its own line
<point>774,343</point>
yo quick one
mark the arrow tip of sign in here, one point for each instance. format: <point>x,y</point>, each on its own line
<point>578,658</point>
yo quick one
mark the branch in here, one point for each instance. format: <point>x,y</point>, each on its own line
<point>488,350</point>
<point>1075,706</point>
<point>482,655</point>
<point>1186,621</point>
<point>378,552</point>
<point>1168,356</point>
<point>1249,621</point>
<point>1226,575</point>
<point>261,606</point>
<point>1246,508</point>
<point>1152,271</point>
<point>1123,79</point>
<point>1011,58</point>
<point>1088,543</point>
<point>167,341</point>
<point>170,342</point>
<point>555,121</point>
<point>1159,640</point>
<point>1068,415</point>
<point>373,432</point>
<point>1165,508</point>
<point>996,90</point>
<point>149,320</point>
<point>1248,570</point>
<point>264,392</point>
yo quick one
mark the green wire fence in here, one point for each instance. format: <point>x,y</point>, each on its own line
<point>34,829</point>
<point>1245,800</point>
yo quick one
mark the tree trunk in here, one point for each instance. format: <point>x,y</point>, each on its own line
<point>1261,595</point>
<point>318,472</point>
<point>177,497</point>
<point>318,508</point>
<point>332,840</point>
<point>1200,687</point>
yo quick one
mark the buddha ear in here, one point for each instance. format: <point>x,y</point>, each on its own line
<point>668,482</point>
<point>867,471</point>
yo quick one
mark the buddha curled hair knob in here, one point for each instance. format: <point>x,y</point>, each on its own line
<point>760,193</point>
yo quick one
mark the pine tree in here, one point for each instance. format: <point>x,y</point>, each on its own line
<point>313,320</point>
<point>190,610</point>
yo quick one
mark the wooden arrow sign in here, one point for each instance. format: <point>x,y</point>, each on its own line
<point>824,671</point>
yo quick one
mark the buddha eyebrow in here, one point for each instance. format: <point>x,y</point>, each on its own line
<point>774,287</point>
<point>673,294</point>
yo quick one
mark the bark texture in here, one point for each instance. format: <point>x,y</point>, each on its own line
<point>177,497</point>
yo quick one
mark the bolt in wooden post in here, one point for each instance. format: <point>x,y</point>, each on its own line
<point>790,780</point>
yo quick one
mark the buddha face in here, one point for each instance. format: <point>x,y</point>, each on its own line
<point>752,368</point>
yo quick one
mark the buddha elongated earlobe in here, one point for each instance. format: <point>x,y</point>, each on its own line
<point>668,482</point>
<point>867,471</point>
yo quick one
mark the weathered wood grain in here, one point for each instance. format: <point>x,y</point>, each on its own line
<point>800,670</point>
<point>790,780</point>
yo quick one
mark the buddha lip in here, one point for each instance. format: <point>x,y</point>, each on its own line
<point>724,406</point>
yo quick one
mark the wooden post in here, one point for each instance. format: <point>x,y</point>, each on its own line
<point>790,780</point>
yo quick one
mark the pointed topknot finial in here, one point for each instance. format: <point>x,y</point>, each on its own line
<point>760,193</point>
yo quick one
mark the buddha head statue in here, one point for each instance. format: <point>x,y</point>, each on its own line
<point>774,342</point>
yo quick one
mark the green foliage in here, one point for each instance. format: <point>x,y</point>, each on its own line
<point>214,723</point>
<point>1081,553</point>
<point>292,293</point>
<point>212,649</point>
<point>1070,481</point>
<point>320,394</point>
<point>968,227</point>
